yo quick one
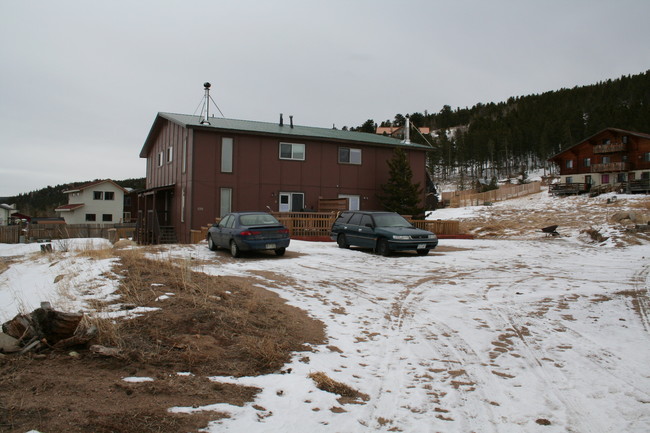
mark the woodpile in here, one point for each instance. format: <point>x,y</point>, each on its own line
<point>45,328</point>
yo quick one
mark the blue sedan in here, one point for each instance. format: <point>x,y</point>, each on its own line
<point>249,231</point>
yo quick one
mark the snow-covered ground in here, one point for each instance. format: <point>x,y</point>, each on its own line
<point>531,334</point>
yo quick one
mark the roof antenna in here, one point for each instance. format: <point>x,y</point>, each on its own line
<point>205,105</point>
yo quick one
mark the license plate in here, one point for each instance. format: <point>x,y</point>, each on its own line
<point>270,246</point>
<point>422,246</point>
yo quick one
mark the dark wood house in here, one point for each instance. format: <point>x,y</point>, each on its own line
<point>199,168</point>
<point>611,159</point>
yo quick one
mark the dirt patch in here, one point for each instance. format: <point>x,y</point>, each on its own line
<point>205,326</point>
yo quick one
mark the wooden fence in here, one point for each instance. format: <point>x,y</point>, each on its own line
<point>35,232</point>
<point>472,198</point>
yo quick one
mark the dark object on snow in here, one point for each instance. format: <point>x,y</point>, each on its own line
<point>46,327</point>
<point>551,231</point>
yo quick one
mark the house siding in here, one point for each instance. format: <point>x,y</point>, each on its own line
<point>619,157</point>
<point>259,175</point>
<point>114,207</point>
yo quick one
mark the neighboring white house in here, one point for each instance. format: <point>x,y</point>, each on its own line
<point>99,202</point>
<point>5,213</point>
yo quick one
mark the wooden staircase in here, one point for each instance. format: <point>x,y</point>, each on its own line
<point>167,235</point>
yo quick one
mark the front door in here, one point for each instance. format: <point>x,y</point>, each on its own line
<point>291,202</point>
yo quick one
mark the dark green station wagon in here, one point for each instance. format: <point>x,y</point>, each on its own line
<point>384,232</point>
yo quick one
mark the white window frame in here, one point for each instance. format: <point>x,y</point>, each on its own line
<point>295,155</point>
<point>354,201</point>
<point>160,159</point>
<point>170,154</point>
<point>184,156</point>
<point>227,149</point>
<point>354,156</point>
<point>225,201</point>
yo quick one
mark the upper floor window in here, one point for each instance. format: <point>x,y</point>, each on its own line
<point>98,195</point>
<point>606,160</point>
<point>292,151</point>
<point>606,140</point>
<point>109,195</point>
<point>646,157</point>
<point>349,156</point>
<point>160,159</point>
<point>569,163</point>
<point>226,155</point>
<point>587,162</point>
<point>170,154</point>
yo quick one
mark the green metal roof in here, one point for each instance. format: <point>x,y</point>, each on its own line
<point>297,131</point>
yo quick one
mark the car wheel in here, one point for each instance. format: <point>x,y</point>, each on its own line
<point>280,251</point>
<point>234,249</point>
<point>423,252</point>
<point>211,244</point>
<point>342,241</point>
<point>382,248</point>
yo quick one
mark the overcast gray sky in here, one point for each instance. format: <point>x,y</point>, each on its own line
<point>81,81</point>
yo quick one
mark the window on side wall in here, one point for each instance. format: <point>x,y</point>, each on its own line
<point>569,163</point>
<point>160,159</point>
<point>587,162</point>
<point>293,151</point>
<point>91,217</point>
<point>98,195</point>
<point>646,157</point>
<point>170,154</point>
<point>348,155</point>
<point>107,217</point>
<point>109,195</point>
<point>226,155</point>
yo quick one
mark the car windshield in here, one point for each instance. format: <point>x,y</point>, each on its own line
<point>258,220</point>
<point>390,220</point>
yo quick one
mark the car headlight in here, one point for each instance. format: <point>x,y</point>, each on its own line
<point>401,237</point>
<point>432,236</point>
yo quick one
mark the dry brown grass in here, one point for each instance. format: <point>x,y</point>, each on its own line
<point>326,383</point>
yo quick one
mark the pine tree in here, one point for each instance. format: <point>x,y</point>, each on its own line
<point>400,194</point>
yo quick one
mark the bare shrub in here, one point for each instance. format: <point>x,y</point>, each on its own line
<point>594,235</point>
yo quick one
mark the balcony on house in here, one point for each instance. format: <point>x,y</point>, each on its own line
<point>609,167</point>
<point>610,147</point>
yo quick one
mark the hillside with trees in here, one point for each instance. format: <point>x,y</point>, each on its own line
<point>520,134</point>
<point>42,202</point>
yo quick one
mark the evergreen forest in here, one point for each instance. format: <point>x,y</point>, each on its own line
<point>511,138</point>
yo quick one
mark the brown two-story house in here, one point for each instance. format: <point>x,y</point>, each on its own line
<point>202,168</point>
<point>612,157</point>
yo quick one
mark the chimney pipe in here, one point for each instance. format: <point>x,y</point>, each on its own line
<point>407,131</point>
<point>291,121</point>
<point>206,86</point>
<point>281,122</point>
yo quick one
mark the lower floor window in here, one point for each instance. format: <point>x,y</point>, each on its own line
<point>604,179</point>
<point>107,217</point>
<point>91,217</point>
